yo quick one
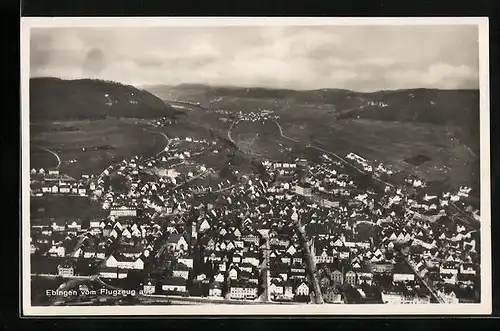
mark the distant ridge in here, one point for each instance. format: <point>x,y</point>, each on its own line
<point>58,99</point>
<point>458,107</point>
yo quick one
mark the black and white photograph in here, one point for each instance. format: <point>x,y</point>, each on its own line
<point>285,166</point>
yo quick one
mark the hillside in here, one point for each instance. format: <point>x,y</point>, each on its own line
<point>56,99</point>
<point>457,108</point>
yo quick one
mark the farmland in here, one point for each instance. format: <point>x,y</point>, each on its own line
<point>95,145</point>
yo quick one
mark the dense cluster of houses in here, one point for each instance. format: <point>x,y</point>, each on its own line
<point>236,239</point>
<point>51,182</point>
<point>260,115</point>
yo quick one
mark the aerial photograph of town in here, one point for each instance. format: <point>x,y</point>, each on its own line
<point>254,165</point>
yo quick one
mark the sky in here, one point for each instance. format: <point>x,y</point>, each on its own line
<point>361,58</point>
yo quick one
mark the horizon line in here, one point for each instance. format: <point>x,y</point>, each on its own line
<point>144,86</point>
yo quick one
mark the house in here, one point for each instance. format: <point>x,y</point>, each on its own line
<point>251,257</point>
<point>176,242</point>
<point>365,275</point>
<point>337,277</point>
<point>245,266</point>
<point>324,281</point>
<point>75,225</point>
<point>219,278</point>
<point>291,249</point>
<point>449,278</point>
<point>106,230</point>
<point>351,277</point>
<point>237,258</point>
<point>467,269</point>
<point>126,233</point>
<point>123,211</point>
<point>121,262</point>
<point>237,233</point>
<point>403,297</point>
<point>149,286</point>
<point>280,270</point>
<point>131,251</point>
<point>250,237</point>
<point>59,225</point>
<point>252,277</point>
<point>65,269</point>
<point>94,252</point>
<point>288,290</point>
<point>234,272</point>
<point>215,289</point>
<point>113,273</point>
<point>243,290</point>
<point>448,296</point>
<point>210,245</point>
<point>326,256</point>
<point>174,284</point>
<point>33,248</point>
<point>57,250</point>
<point>180,270</point>
<point>276,288</point>
<point>298,271</point>
<point>333,296</point>
<point>402,272</point>
<point>344,252</point>
<point>286,258</point>
<point>297,258</point>
<point>204,226</point>
<point>186,260</point>
<point>302,289</point>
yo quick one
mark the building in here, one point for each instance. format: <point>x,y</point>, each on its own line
<point>149,286</point>
<point>180,270</point>
<point>176,242</point>
<point>122,262</point>
<point>304,189</point>
<point>401,298</point>
<point>337,278</point>
<point>402,272</point>
<point>252,258</point>
<point>215,289</point>
<point>123,211</point>
<point>302,289</point>
<point>65,270</point>
<point>276,288</point>
<point>333,296</point>
<point>131,251</point>
<point>174,284</point>
<point>243,290</point>
<point>113,273</point>
<point>351,277</point>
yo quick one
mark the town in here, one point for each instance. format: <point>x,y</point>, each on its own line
<point>333,230</point>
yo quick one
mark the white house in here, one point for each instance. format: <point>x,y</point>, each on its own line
<point>57,251</point>
<point>174,284</point>
<point>402,277</point>
<point>122,262</point>
<point>302,289</point>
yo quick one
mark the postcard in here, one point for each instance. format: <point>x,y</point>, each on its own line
<point>255,166</point>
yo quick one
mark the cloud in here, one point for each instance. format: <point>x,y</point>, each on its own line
<point>364,58</point>
<point>378,61</point>
<point>440,75</point>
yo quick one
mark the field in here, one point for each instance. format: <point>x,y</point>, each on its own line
<point>394,142</point>
<point>444,158</point>
<point>447,159</point>
<point>48,207</point>
<point>95,145</point>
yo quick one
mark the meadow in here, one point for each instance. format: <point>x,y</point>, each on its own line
<point>95,145</point>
